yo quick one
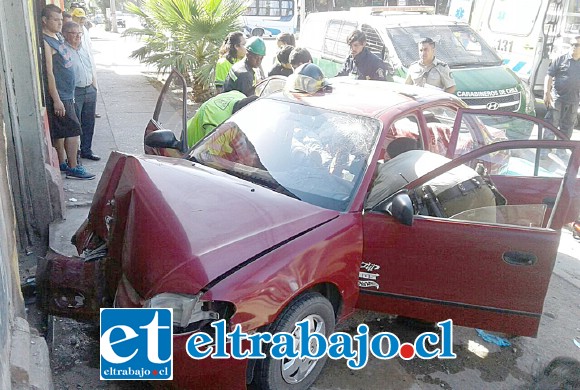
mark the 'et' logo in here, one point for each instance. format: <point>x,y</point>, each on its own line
<point>136,344</point>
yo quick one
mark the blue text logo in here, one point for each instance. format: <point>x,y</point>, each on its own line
<point>303,344</point>
<point>136,344</point>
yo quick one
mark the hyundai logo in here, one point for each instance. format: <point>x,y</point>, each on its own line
<point>492,106</point>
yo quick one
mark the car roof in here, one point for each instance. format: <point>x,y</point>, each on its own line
<point>391,19</point>
<point>369,98</point>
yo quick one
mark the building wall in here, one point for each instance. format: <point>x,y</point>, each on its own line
<point>36,185</point>
<point>11,303</point>
<point>30,199</point>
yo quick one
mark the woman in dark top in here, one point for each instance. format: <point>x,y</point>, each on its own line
<point>282,67</point>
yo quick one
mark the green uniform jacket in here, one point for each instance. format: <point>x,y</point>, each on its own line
<point>222,68</point>
<point>211,114</point>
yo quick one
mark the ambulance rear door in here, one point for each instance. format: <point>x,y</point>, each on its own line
<point>524,33</point>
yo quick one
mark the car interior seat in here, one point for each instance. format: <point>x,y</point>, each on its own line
<point>401,145</point>
<point>440,135</point>
<point>400,130</point>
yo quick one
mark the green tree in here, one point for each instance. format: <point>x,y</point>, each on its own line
<point>186,35</point>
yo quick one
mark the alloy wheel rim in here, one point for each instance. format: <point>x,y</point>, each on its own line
<point>297,369</point>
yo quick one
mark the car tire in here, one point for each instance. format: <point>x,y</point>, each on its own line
<point>273,374</point>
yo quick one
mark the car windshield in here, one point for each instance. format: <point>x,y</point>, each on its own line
<point>312,154</point>
<point>458,46</point>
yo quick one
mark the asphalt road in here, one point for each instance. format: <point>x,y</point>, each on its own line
<point>127,95</point>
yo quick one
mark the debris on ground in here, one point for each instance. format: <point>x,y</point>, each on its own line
<point>490,338</point>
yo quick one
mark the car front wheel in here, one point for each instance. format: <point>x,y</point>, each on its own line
<point>298,373</point>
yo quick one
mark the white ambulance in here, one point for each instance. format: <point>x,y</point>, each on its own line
<point>527,34</point>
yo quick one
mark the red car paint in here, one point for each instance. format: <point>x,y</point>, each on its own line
<point>173,225</point>
<point>202,237</point>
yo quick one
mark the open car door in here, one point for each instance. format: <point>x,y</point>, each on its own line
<point>540,169</point>
<point>473,129</point>
<point>487,267</point>
<point>170,114</point>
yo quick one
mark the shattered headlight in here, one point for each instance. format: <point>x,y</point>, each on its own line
<point>190,313</point>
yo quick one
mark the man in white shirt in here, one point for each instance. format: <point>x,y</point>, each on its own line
<point>85,86</point>
<point>79,16</point>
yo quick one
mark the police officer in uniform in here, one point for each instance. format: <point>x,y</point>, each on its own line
<point>361,63</point>
<point>429,71</point>
<point>242,76</point>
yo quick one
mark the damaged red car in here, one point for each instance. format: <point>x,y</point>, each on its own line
<point>281,214</point>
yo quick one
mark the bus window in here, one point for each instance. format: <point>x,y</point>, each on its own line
<point>270,8</point>
<point>514,17</point>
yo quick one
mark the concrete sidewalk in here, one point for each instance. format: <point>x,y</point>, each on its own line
<point>127,95</point>
<point>126,99</point>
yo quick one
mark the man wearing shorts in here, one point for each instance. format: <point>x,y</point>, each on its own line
<point>64,124</point>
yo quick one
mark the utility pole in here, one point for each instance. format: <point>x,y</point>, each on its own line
<point>301,13</point>
<point>113,17</point>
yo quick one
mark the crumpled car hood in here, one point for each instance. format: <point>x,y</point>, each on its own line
<point>179,225</point>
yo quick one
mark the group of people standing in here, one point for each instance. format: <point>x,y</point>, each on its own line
<point>237,73</point>
<point>72,81</point>
<point>239,69</point>
<point>361,63</point>
<point>428,71</point>
<point>71,84</point>
<point>240,65</point>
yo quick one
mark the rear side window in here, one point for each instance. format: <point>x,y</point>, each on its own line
<point>440,121</point>
<point>406,127</point>
<point>270,8</point>
<point>335,38</point>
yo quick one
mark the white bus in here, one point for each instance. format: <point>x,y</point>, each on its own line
<point>272,17</point>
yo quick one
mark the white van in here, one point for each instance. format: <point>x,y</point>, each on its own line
<point>527,34</point>
<point>393,34</point>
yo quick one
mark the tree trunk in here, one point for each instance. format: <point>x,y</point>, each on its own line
<point>201,92</point>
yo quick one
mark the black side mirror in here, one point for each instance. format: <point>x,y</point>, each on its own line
<point>402,209</point>
<point>162,139</point>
